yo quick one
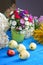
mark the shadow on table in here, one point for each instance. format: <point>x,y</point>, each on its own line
<point>6,56</point>
<point>19,60</point>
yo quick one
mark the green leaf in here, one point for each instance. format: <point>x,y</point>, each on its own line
<point>36,25</point>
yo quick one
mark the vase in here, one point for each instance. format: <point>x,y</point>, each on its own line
<point>17,36</point>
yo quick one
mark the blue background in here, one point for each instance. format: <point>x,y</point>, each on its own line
<point>36,56</point>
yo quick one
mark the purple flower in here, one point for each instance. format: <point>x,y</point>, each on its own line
<point>23,26</point>
<point>26,12</point>
<point>35,17</point>
<point>31,16</point>
<point>22,22</point>
<point>40,19</point>
<point>21,14</point>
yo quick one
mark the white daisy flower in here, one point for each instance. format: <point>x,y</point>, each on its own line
<point>27,23</point>
<point>32,29</point>
<point>22,32</point>
<point>30,24</point>
<point>26,27</point>
<point>20,9</point>
<point>14,23</point>
<point>20,28</point>
<point>26,18</point>
<point>27,34</point>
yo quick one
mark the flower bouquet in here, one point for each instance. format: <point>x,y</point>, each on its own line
<point>22,24</point>
<point>4,26</point>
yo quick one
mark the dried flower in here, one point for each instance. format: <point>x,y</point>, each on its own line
<point>4,25</point>
<point>4,39</point>
<point>38,34</point>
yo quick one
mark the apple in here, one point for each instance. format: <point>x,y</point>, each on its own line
<point>12,44</point>
<point>21,47</point>
<point>32,46</point>
<point>24,54</point>
<point>10,52</point>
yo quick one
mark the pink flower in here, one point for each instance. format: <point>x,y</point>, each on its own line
<point>22,21</point>
<point>30,19</point>
<point>40,19</point>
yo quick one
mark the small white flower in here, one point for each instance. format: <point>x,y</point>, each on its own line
<point>20,28</point>
<point>26,27</point>
<point>12,27</point>
<point>20,9</point>
<point>27,23</point>
<point>26,15</point>
<point>11,12</point>
<point>26,18</point>
<point>33,21</point>
<point>30,24</point>
<point>27,33</point>
<point>22,32</point>
<point>14,23</point>
<point>32,29</point>
<point>12,16</point>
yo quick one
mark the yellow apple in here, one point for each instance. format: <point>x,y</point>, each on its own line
<point>13,44</point>
<point>32,46</point>
<point>24,54</point>
<point>21,47</point>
